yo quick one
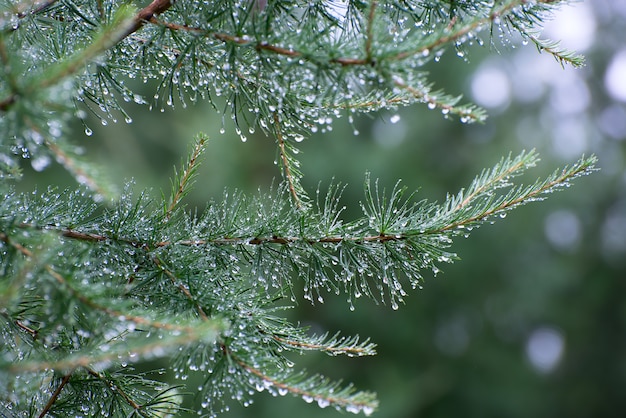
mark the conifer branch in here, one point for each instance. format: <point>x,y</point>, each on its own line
<point>518,195</point>
<point>332,345</point>
<point>314,389</point>
<point>459,28</point>
<point>138,320</point>
<point>183,182</point>
<point>483,186</point>
<point>177,336</point>
<point>467,113</point>
<point>124,350</point>
<point>561,55</point>
<point>286,164</point>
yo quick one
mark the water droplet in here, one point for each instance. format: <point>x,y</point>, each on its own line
<point>322,403</point>
<point>394,119</point>
<point>368,410</point>
<point>88,132</point>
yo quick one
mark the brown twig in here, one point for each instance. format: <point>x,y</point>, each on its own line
<point>146,14</point>
<point>32,332</point>
<point>369,35</point>
<point>55,395</point>
<point>285,162</point>
<point>33,8</point>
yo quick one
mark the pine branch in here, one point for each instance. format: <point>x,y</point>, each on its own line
<point>311,389</point>
<point>332,345</point>
<point>157,345</point>
<point>180,286</point>
<point>396,237</point>
<point>182,183</point>
<point>478,205</point>
<point>386,224</point>
<point>530,17</point>
<point>448,105</point>
<point>289,166</point>
<point>379,242</point>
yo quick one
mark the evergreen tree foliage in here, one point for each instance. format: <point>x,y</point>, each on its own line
<point>93,283</point>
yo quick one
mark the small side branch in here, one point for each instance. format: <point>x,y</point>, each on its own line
<point>334,346</point>
<point>182,287</point>
<point>186,178</point>
<point>55,395</point>
<point>370,26</point>
<point>285,163</point>
<point>345,398</point>
<point>117,390</point>
<point>146,15</point>
<point>467,113</point>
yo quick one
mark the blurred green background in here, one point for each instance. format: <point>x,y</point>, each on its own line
<point>531,322</point>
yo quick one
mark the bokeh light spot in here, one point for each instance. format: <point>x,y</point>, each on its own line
<point>612,122</point>
<point>389,134</point>
<point>544,349</point>
<point>491,87</point>
<point>615,77</point>
<point>569,138</point>
<point>563,229</point>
